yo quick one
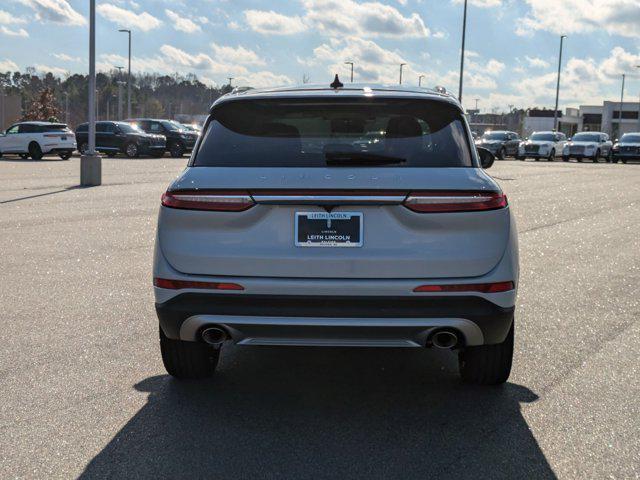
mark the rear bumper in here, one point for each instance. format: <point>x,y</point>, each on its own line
<point>334,320</point>
<point>59,147</point>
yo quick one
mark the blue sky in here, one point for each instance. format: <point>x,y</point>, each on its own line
<point>512,44</point>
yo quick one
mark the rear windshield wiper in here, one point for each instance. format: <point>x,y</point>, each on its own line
<point>360,158</point>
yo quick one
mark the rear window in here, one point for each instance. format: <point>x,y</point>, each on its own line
<point>55,128</point>
<point>321,132</point>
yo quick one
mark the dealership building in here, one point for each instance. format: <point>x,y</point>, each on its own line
<point>591,118</point>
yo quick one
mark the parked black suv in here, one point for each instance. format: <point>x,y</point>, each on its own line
<point>500,143</point>
<point>179,139</point>
<point>121,137</point>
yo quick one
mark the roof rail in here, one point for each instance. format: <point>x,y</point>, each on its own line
<point>237,90</point>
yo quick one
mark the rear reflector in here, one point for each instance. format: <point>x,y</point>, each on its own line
<point>474,287</point>
<point>220,201</point>
<point>184,284</point>
<point>441,202</point>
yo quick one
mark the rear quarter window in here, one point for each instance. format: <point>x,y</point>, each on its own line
<point>304,133</point>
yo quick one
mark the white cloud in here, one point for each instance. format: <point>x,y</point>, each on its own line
<point>536,62</point>
<point>337,17</point>
<point>262,79</point>
<point>482,3</point>
<point>369,19</point>
<point>372,63</point>
<point>55,11</point>
<point>181,23</point>
<point>7,18</point>
<point>7,65</point>
<point>128,19</point>
<point>238,55</point>
<point>273,23</point>
<point>617,17</point>
<point>57,71</point>
<point>20,32</point>
<point>66,58</point>
<point>172,59</point>
<point>620,61</point>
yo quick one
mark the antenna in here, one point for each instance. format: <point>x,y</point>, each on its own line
<point>336,83</point>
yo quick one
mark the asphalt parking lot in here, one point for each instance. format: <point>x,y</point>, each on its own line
<point>83,391</point>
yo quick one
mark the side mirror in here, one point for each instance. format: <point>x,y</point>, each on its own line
<point>486,158</point>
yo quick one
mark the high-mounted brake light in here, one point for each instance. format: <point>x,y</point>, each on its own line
<point>497,287</point>
<point>441,202</point>
<point>220,201</point>
<point>185,284</point>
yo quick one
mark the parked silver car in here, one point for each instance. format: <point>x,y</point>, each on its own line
<point>588,145</point>
<point>547,145</point>
<point>285,230</point>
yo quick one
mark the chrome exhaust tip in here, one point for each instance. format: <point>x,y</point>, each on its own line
<point>214,336</point>
<point>444,339</point>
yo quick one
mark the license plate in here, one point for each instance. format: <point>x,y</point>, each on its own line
<point>323,229</point>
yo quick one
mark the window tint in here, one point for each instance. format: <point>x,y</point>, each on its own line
<point>54,128</point>
<point>28,128</point>
<point>587,137</point>
<point>13,130</point>
<point>495,136</point>
<point>543,137</point>
<point>155,127</point>
<point>129,128</point>
<point>630,138</point>
<point>82,128</point>
<point>309,132</point>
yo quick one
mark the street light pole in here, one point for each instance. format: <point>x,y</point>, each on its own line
<point>464,38</point>
<point>638,66</point>
<point>624,77</point>
<point>90,162</point>
<point>66,107</point>
<point>555,111</point>
<point>350,63</point>
<point>124,30</point>
<point>230,79</point>
<point>420,80</point>
<point>401,65</point>
<point>120,83</point>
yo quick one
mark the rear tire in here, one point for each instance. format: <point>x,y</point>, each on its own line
<point>487,364</point>
<point>176,150</point>
<point>188,360</point>
<point>23,156</point>
<point>65,155</point>
<point>111,154</point>
<point>131,150</point>
<point>35,152</point>
<point>597,156</point>
<point>502,154</point>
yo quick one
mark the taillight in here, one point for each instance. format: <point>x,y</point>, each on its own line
<point>184,284</point>
<point>220,201</point>
<point>497,287</point>
<point>465,201</point>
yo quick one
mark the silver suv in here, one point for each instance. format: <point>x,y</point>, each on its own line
<point>291,226</point>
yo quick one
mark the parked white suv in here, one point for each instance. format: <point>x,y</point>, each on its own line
<point>35,139</point>
<point>286,229</point>
<point>547,145</point>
